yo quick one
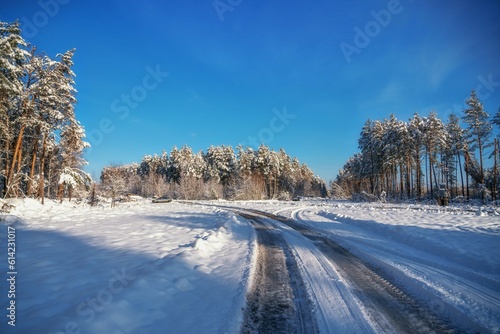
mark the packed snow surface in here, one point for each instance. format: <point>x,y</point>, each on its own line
<point>186,267</point>
<point>447,258</point>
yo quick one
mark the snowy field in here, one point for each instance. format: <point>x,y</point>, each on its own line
<point>138,268</point>
<point>186,267</point>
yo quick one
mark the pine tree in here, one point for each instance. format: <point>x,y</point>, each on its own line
<point>366,144</point>
<point>174,167</point>
<point>251,182</point>
<point>286,181</point>
<point>72,147</point>
<point>496,154</point>
<point>496,119</point>
<point>434,138</point>
<point>456,143</point>
<point>192,170</point>
<point>416,131</point>
<point>12,61</point>
<point>478,130</point>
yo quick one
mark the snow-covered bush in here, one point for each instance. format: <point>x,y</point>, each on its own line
<point>5,206</point>
<point>284,196</point>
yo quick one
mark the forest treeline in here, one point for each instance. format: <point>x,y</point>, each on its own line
<point>42,145</point>
<point>41,141</point>
<point>218,173</point>
<point>411,159</point>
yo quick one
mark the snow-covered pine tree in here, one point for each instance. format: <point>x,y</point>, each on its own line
<point>224,162</point>
<point>174,168</point>
<point>367,147</point>
<point>72,147</point>
<point>264,167</point>
<point>56,111</point>
<point>251,182</point>
<point>416,129</point>
<point>406,162</point>
<point>397,152</point>
<point>191,180</point>
<point>478,131</point>
<point>305,183</point>
<point>377,146</point>
<point>434,137</point>
<point>496,119</point>
<point>152,171</point>
<point>286,181</point>
<point>185,161</point>
<point>456,144</point>
<point>12,58</point>
<point>246,158</point>
<point>496,155</point>
<point>198,166</point>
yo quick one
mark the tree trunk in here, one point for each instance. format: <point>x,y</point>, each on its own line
<point>426,176</point>
<point>32,170</point>
<point>60,192</point>
<point>418,165</point>
<point>430,174</point>
<point>17,149</point>
<point>467,173</point>
<point>49,175</point>
<point>481,171</point>
<point>41,185</point>
<point>495,170</point>
<point>401,181</point>
<point>408,176</point>
<point>461,173</point>
<point>435,177</point>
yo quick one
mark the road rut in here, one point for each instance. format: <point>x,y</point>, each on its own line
<point>389,308</point>
<point>277,301</point>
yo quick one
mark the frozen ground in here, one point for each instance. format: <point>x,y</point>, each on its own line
<point>447,258</point>
<point>139,268</point>
<point>186,268</point>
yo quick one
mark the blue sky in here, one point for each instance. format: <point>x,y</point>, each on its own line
<point>300,75</point>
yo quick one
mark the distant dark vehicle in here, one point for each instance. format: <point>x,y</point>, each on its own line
<point>162,200</point>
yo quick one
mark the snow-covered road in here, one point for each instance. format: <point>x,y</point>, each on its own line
<point>189,267</point>
<point>447,259</point>
<point>346,295</point>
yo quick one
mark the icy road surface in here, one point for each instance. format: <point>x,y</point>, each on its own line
<point>204,268</point>
<point>447,260</point>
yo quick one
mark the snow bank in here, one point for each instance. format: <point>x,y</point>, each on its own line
<point>137,268</point>
<point>462,237</point>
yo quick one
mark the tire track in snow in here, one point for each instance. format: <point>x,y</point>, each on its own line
<point>445,290</point>
<point>277,301</point>
<point>388,308</point>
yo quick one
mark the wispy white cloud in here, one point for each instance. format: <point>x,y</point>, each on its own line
<point>439,62</point>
